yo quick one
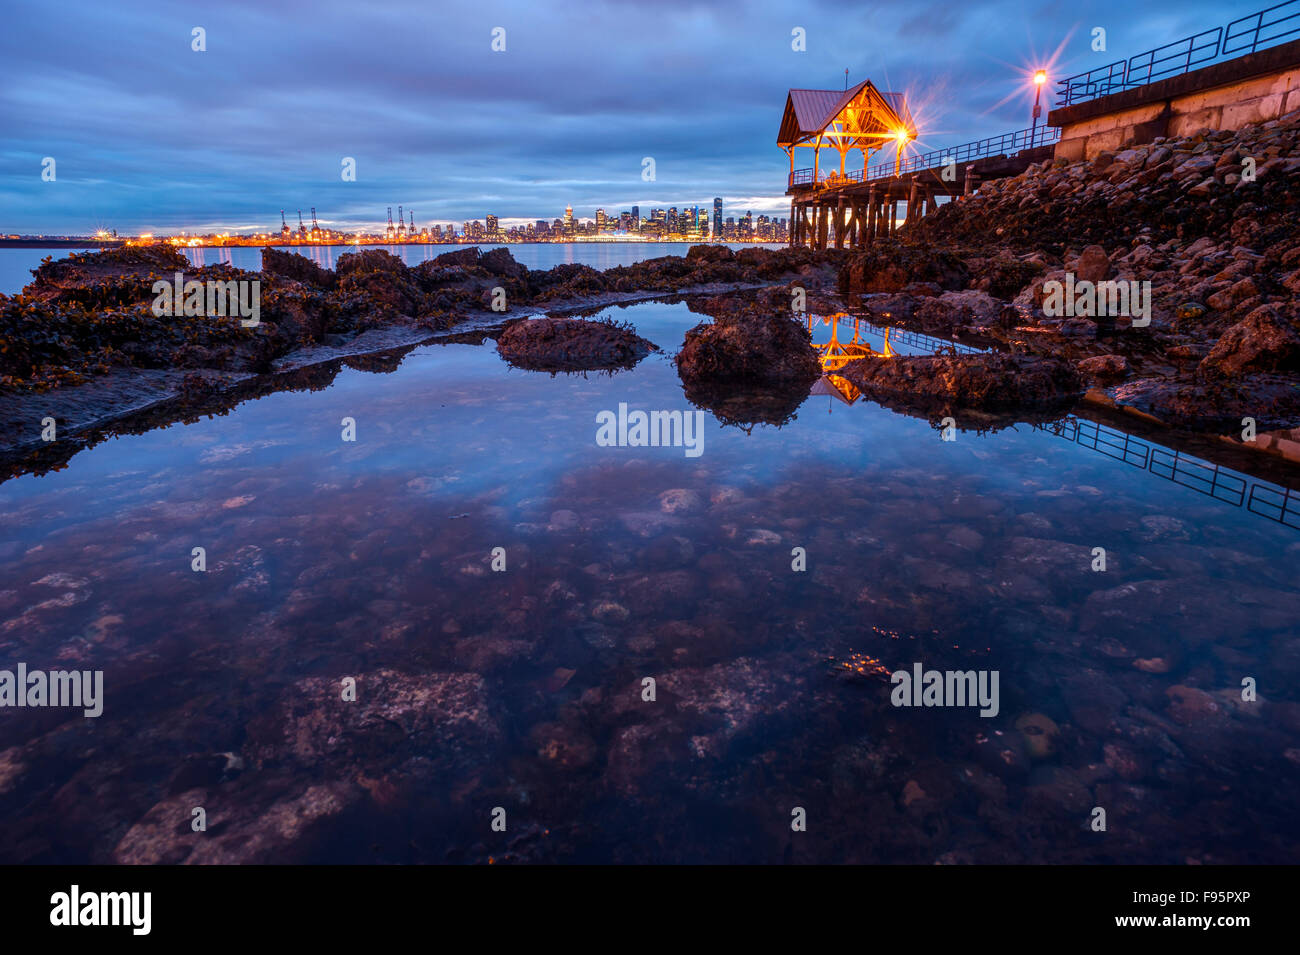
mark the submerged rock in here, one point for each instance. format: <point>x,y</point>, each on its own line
<point>255,822</point>
<point>394,716</point>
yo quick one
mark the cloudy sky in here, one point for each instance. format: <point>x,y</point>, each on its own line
<point>149,135</point>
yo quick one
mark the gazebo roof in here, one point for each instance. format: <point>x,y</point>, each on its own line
<point>809,112</point>
<point>836,387</point>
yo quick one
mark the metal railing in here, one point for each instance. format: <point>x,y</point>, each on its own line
<point>1005,145</point>
<point>1262,29</point>
<point>1244,35</point>
<point>1174,58</point>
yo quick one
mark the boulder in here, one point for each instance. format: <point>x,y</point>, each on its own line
<point>983,381</point>
<point>298,268</point>
<point>709,253</point>
<point>750,347</point>
<point>1093,265</point>
<point>752,365</point>
<point>1265,340</point>
<point>572,344</point>
<point>1104,369</point>
<point>501,262</point>
<point>890,266</point>
<point>465,258</point>
<point>369,260</point>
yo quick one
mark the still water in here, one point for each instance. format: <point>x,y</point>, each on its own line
<point>500,588</point>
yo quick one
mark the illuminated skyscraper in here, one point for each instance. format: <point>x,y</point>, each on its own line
<point>717,217</point>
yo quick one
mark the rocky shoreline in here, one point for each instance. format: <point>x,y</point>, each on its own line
<point>1203,228</point>
<point>1207,338</point>
<point>81,344</point>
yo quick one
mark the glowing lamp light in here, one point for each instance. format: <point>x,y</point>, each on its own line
<point>1040,77</point>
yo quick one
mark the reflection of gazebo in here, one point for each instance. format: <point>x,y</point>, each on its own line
<point>835,354</point>
<point>836,386</point>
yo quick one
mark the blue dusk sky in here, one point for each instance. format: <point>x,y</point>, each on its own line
<point>149,135</point>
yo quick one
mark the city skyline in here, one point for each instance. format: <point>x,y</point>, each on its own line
<point>660,223</point>
<point>263,117</point>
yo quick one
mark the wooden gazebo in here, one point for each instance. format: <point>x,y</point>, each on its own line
<point>860,117</point>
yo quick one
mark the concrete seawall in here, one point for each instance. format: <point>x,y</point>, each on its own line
<point>1253,88</point>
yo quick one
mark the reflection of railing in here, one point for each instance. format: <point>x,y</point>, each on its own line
<point>1247,34</point>
<point>901,336</point>
<point>1223,484</point>
<point>927,343</point>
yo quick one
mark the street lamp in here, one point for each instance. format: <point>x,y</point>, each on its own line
<point>902,136</point>
<point>1040,77</point>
